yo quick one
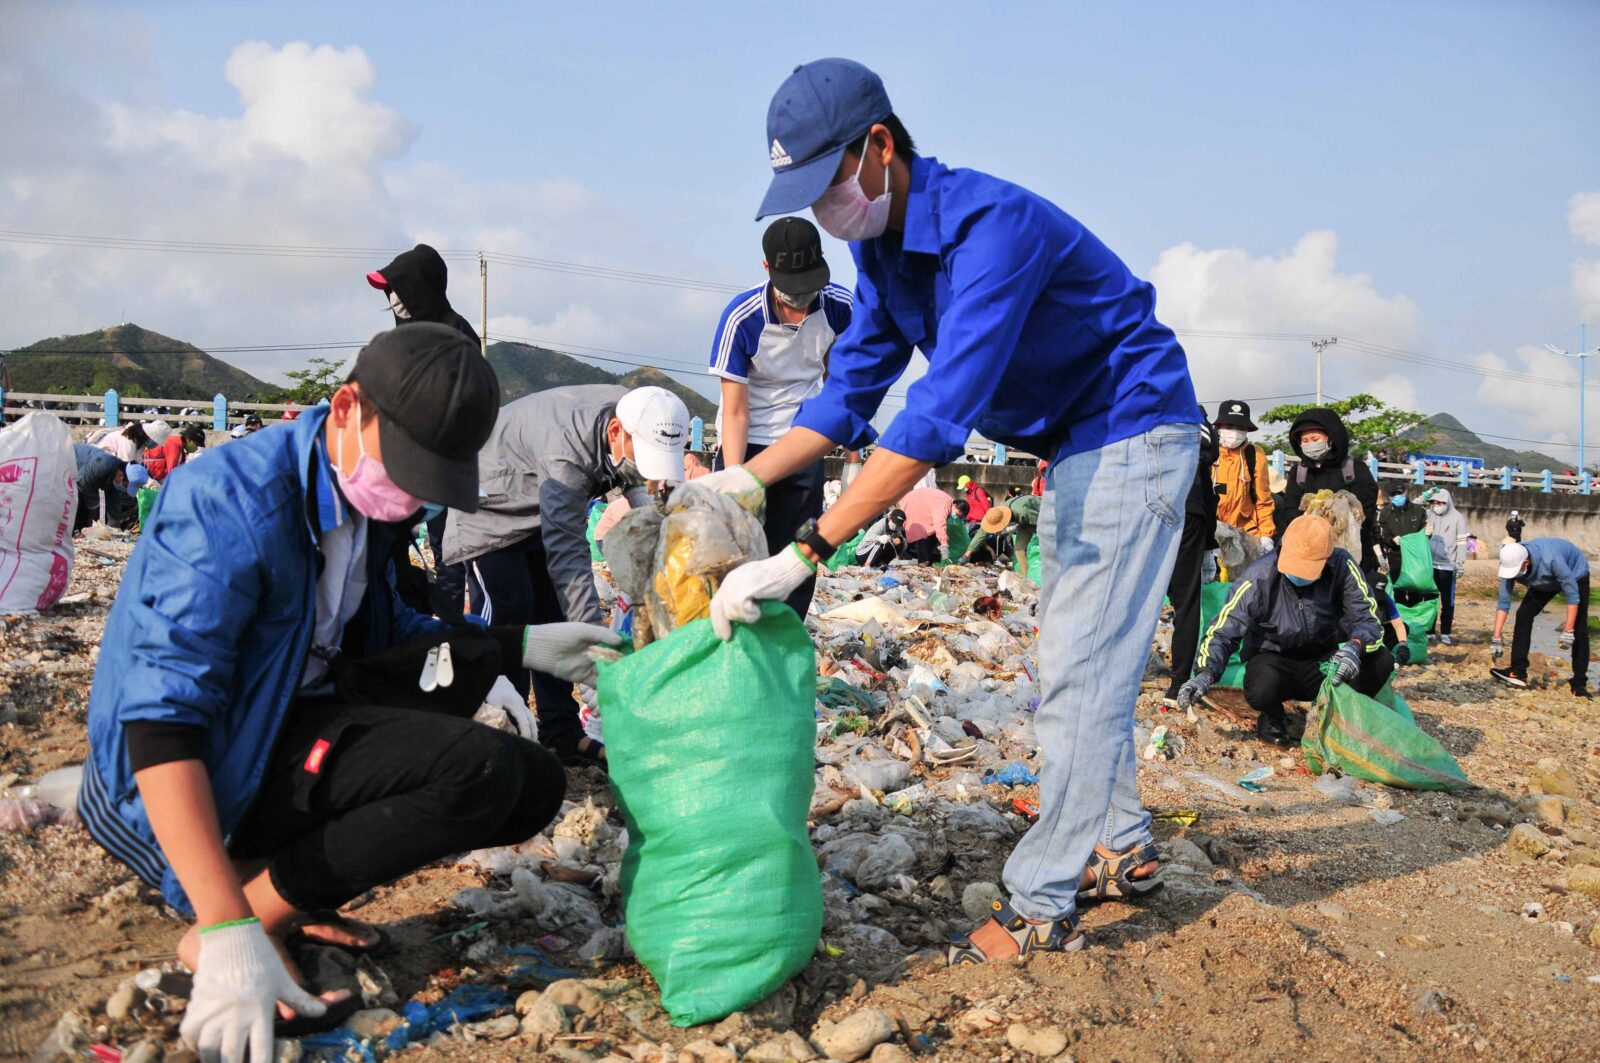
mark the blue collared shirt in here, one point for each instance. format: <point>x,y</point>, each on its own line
<point>1557,565</point>
<point>1036,334</point>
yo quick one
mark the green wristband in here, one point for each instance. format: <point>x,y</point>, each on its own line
<point>754,477</point>
<point>229,923</point>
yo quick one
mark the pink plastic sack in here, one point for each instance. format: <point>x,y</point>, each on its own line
<point>38,499</point>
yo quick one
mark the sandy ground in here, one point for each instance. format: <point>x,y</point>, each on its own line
<point>1310,932</point>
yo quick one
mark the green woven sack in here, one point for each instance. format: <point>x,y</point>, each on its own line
<point>1034,569</point>
<point>1376,739</point>
<point>1213,597</point>
<point>956,529</point>
<point>146,500</point>
<point>846,554</point>
<point>595,513</point>
<point>1419,620</point>
<point>1416,564</point>
<point>710,746</point>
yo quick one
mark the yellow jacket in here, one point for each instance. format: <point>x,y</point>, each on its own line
<point>1245,506</point>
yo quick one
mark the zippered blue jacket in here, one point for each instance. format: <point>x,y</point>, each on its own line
<point>212,625</point>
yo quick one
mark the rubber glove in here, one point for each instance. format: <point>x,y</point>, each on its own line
<point>562,650</point>
<point>236,992</point>
<point>1497,649</point>
<point>1402,653</point>
<point>1565,641</point>
<point>740,484</point>
<point>1195,689</point>
<point>1346,664</point>
<point>746,587</point>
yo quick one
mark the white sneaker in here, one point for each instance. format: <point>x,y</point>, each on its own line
<point>1445,640</point>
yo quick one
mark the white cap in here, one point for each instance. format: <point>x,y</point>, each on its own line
<point>658,422</point>
<point>1512,557</point>
<point>158,431</point>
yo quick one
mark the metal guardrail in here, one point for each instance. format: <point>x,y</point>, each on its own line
<point>109,408</point>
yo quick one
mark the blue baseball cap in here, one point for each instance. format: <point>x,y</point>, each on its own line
<point>137,476</point>
<point>818,112</point>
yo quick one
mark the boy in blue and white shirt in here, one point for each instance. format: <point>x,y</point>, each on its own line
<point>771,352</point>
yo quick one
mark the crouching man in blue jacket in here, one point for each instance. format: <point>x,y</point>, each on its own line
<point>1295,610</point>
<point>224,768</point>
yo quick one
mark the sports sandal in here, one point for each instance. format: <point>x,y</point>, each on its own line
<point>1006,934</point>
<point>1112,874</point>
<point>380,937</point>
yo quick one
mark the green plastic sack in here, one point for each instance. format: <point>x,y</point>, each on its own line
<point>1416,564</point>
<point>846,554</point>
<point>711,746</point>
<point>595,513</point>
<point>956,529</point>
<point>1419,620</point>
<point>1213,596</point>
<point>1376,739</point>
<point>146,500</point>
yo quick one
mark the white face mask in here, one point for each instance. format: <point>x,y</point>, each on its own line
<point>845,211</point>
<point>802,301</point>
<point>1232,438</point>
<point>1318,450</point>
<point>1439,507</point>
<point>398,307</point>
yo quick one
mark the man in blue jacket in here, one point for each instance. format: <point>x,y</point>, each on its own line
<point>1293,611</point>
<point>1036,336</point>
<point>1546,567</point>
<point>223,768</point>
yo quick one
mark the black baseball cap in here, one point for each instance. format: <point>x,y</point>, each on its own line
<point>439,399</point>
<point>793,250</point>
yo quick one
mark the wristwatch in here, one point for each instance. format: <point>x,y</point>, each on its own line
<point>811,539</point>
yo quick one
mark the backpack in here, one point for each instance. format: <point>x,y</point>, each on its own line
<point>1349,470</point>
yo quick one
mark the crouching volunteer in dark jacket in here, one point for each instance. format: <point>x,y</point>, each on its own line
<point>229,766</point>
<point>1293,611</point>
<point>527,544</point>
<point>1326,464</point>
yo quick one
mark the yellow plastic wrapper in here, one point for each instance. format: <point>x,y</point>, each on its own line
<point>685,594</point>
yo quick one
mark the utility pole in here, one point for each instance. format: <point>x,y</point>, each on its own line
<point>483,312</point>
<point>1583,356</point>
<point>1320,345</point>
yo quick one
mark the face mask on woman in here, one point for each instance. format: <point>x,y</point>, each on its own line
<point>1316,449</point>
<point>1440,507</point>
<point>1232,438</point>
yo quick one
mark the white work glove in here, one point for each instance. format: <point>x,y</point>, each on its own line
<point>562,650</point>
<point>236,992</point>
<point>503,696</point>
<point>740,484</point>
<point>1497,648</point>
<point>1565,641</point>
<point>746,587</point>
<point>1267,545</point>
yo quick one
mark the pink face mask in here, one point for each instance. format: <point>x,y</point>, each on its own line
<point>369,488</point>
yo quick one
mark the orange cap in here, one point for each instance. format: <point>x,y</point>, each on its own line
<point>1306,546</point>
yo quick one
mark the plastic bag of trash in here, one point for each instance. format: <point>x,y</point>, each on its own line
<point>1376,739</point>
<point>1419,620</point>
<point>1213,597</point>
<point>846,554</point>
<point>1416,564</point>
<point>710,751</point>
<point>38,500</point>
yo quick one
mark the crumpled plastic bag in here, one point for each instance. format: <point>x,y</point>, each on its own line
<point>670,559</point>
<point>1341,509</point>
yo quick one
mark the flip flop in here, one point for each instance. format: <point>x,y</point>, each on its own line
<point>350,926</point>
<point>304,1026</point>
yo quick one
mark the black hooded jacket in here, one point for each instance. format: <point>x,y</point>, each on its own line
<point>1329,475</point>
<point>419,277</point>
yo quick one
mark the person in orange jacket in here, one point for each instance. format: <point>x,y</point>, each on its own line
<point>1244,499</point>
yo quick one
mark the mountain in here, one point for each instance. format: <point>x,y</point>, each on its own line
<point>524,369</point>
<point>1448,436</point>
<point>135,361</point>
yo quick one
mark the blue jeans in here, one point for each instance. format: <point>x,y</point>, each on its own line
<point>1108,531</point>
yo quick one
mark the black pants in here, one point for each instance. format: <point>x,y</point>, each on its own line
<point>790,503</point>
<point>1445,580</point>
<point>355,796</point>
<point>450,580</point>
<point>1533,603</point>
<point>880,555</point>
<point>1184,591</point>
<point>512,585</point>
<point>924,551</point>
<point>1270,679</point>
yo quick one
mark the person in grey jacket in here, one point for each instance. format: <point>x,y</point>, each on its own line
<point>526,547</point>
<point>1447,534</point>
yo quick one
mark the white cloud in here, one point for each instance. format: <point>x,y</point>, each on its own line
<point>1583,216</point>
<point>308,155</point>
<point>1583,219</point>
<point>1229,290</point>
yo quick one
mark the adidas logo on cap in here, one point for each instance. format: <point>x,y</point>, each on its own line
<point>780,158</point>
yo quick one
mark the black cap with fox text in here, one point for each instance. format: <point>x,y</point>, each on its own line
<point>793,250</point>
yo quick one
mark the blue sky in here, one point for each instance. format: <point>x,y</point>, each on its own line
<point>1441,142</point>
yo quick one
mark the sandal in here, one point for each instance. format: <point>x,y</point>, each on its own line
<point>1112,876</point>
<point>305,1025</point>
<point>349,926</point>
<point>1006,934</point>
<point>578,750</point>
